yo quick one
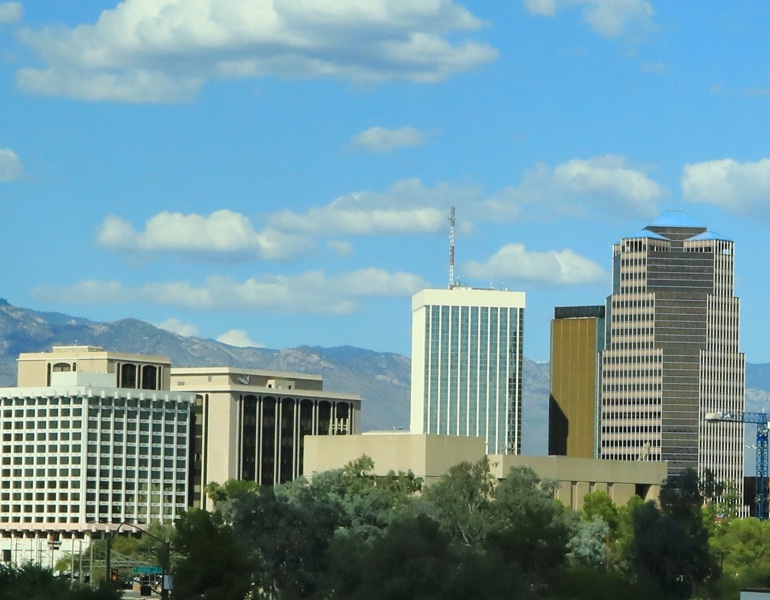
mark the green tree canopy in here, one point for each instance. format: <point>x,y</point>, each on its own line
<point>670,543</point>
<point>211,563</point>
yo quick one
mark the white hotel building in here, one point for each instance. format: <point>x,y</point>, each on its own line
<point>90,439</point>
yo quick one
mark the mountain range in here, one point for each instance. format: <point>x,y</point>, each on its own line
<point>380,378</point>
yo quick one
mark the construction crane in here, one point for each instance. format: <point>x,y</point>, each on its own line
<point>761,420</point>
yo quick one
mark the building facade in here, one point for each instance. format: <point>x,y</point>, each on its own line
<point>431,456</point>
<point>251,424</point>
<point>132,371</point>
<point>466,365</point>
<point>81,455</point>
<point>577,339</point>
<point>671,354</point>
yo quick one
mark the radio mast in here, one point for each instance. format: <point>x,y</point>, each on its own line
<point>451,247</point>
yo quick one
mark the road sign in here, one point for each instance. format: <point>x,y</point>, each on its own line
<point>148,570</point>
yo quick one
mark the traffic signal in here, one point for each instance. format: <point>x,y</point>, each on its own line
<point>114,574</point>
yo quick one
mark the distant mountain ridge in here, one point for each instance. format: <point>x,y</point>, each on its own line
<point>380,378</point>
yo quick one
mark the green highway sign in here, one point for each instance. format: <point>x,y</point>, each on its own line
<point>148,570</point>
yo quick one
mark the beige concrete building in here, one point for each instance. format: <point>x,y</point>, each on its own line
<point>431,456</point>
<point>251,424</point>
<point>427,456</point>
<point>132,371</point>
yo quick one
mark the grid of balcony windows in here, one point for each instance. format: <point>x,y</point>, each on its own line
<point>93,459</point>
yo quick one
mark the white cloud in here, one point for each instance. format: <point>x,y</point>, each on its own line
<point>608,178</point>
<point>10,167</point>
<point>740,188</point>
<point>223,234</point>
<point>609,18</point>
<point>380,139</point>
<point>513,262</point>
<point>340,247</point>
<point>313,292</point>
<point>238,338</point>
<point>10,12</point>
<point>577,187</point>
<point>407,207</point>
<point>164,50</point>
<point>176,326</point>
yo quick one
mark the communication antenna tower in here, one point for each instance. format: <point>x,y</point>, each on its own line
<point>451,247</point>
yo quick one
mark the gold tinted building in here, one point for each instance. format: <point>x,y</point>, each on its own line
<point>577,333</point>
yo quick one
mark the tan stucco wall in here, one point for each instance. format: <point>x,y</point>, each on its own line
<point>431,456</point>
<point>427,456</point>
<point>579,476</point>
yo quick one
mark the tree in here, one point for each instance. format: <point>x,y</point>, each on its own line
<point>599,504</point>
<point>590,544</point>
<point>671,543</point>
<point>587,583</point>
<point>370,502</point>
<point>33,582</point>
<point>621,549</point>
<point>415,558</point>
<point>211,563</point>
<point>516,520</point>
<point>461,499</point>
<point>528,526</point>
<point>289,537</point>
<point>743,546</point>
<point>710,488</point>
<point>230,490</point>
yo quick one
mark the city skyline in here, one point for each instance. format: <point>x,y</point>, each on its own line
<point>280,174</point>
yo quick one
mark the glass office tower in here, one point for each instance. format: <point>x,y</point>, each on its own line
<point>466,365</point>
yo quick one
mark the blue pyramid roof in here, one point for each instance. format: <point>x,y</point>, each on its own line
<point>710,235</point>
<point>676,218</point>
<point>646,233</point>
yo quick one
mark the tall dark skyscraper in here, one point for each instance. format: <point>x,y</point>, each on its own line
<point>671,351</point>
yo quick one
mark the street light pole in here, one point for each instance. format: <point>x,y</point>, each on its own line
<point>164,563</point>
<point>108,556</point>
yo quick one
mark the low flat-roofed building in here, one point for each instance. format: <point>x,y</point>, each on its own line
<point>252,424</point>
<point>431,456</point>
<point>621,479</point>
<point>427,455</point>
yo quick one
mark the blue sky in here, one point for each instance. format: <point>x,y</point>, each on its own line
<point>280,173</point>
